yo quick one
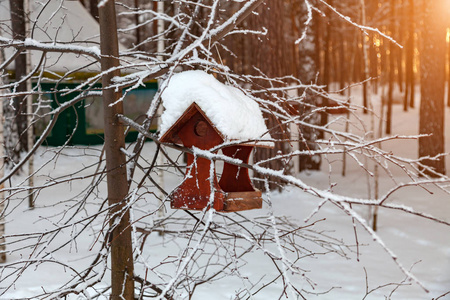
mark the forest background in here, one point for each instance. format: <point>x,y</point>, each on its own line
<point>302,61</point>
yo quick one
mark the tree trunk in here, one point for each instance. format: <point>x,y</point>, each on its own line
<point>18,29</point>
<point>358,65</point>
<point>448,64</point>
<point>318,36</point>
<point>374,64</point>
<point>93,8</point>
<point>2,171</point>
<point>136,21</point>
<point>409,86</point>
<point>410,54</point>
<point>270,59</point>
<point>392,51</point>
<point>326,73</point>
<point>342,64</point>
<point>400,28</point>
<point>307,70</point>
<point>122,283</point>
<point>432,88</point>
<point>365,60</point>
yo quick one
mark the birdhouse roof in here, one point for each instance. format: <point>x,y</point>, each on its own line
<point>171,135</point>
<point>234,115</point>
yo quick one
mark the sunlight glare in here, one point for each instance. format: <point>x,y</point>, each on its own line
<point>377,42</point>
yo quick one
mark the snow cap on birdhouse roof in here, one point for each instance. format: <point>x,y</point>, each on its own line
<point>234,115</point>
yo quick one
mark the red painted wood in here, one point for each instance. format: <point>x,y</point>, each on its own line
<point>195,191</point>
<point>235,178</point>
<point>171,135</point>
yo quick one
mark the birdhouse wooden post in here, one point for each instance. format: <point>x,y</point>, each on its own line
<point>234,191</point>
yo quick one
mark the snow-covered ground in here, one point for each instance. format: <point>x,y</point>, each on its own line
<point>421,245</point>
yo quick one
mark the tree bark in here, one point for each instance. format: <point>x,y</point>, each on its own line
<point>411,54</point>
<point>18,29</point>
<point>2,172</point>
<point>392,52</point>
<point>326,72</point>
<point>342,63</point>
<point>374,64</point>
<point>136,21</point>
<point>400,28</point>
<point>448,77</point>
<point>93,7</point>
<point>122,283</point>
<point>358,64</point>
<point>270,58</point>
<point>365,61</point>
<point>307,70</point>
<point>432,88</point>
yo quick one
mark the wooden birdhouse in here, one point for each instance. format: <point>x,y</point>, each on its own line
<point>194,128</point>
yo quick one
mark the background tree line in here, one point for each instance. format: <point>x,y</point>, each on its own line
<point>338,55</point>
<point>393,60</point>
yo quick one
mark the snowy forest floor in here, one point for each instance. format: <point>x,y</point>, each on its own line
<point>420,245</point>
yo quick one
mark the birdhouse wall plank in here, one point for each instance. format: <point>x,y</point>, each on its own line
<point>235,178</point>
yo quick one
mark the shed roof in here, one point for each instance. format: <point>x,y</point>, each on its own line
<point>235,115</point>
<point>59,21</point>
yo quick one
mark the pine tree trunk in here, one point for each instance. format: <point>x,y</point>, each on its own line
<point>410,54</point>
<point>392,52</point>
<point>342,63</point>
<point>448,77</point>
<point>270,59</point>
<point>318,37</point>
<point>122,282</point>
<point>409,86</point>
<point>432,89</point>
<point>400,28</point>
<point>326,73</point>
<point>357,66</point>
<point>365,60</point>
<point>374,66</point>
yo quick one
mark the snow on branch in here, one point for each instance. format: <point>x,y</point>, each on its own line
<point>31,44</point>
